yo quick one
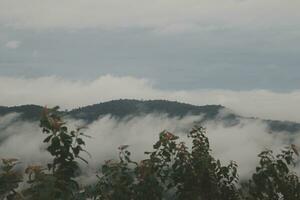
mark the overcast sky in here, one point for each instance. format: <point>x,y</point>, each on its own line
<point>177,44</point>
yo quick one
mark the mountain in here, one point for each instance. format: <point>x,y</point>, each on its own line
<point>28,112</point>
<point>126,108</point>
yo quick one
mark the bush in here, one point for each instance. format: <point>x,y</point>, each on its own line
<point>9,179</point>
<point>170,171</point>
<point>273,178</point>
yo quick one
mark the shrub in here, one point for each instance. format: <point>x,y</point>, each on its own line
<point>171,170</point>
<point>273,178</point>
<point>9,179</point>
<point>57,181</point>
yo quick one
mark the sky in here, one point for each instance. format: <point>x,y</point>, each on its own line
<point>178,45</point>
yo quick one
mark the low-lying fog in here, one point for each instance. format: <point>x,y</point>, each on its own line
<point>241,143</point>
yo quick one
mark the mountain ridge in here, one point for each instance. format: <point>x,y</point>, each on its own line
<point>131,107</point>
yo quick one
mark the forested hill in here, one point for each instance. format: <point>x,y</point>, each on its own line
<point>125,108</point>
<point>28,112</point>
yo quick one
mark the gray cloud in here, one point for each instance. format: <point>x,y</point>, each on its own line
<point>230,58</point>
<point>165,15</point>
<point>232,44</point>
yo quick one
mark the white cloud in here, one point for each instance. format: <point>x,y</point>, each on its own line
<point>7,119</point>
<point>70,94</point>
<point>22,140</point>
<point>240,143</point>
<point>244,142</point>
<point>13,44</point>
<point>169,14</point>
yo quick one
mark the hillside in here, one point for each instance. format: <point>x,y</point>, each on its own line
<point>125,108</point>
<point>28,112</point>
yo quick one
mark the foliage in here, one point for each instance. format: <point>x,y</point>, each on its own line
<point>65,147</point>
<point>273,178</point>
<point>9,179</point>
<point>172,170</point>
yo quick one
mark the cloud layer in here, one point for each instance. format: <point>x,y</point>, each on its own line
<point>240,143</point>
<point>70,94</point>
<point>163,15</point>
<point>230,44</point>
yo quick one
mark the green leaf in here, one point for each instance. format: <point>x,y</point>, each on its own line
<point>47,139</point>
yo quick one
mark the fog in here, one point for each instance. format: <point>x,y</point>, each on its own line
<point>241,143</point>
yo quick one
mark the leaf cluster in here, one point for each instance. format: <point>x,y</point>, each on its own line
<point>273,178</point>
<point>57,179</point>
<point>171,171</point>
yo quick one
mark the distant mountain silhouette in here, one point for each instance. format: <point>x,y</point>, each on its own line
<point>28,112</point>
<point>126,108</point>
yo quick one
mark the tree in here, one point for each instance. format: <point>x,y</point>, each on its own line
<point>274,178</point>
<point>9,179</point>
<point>57,180</point>
<point>172,171</point>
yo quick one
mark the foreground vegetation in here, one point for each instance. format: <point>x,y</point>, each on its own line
<point>171,171</point>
